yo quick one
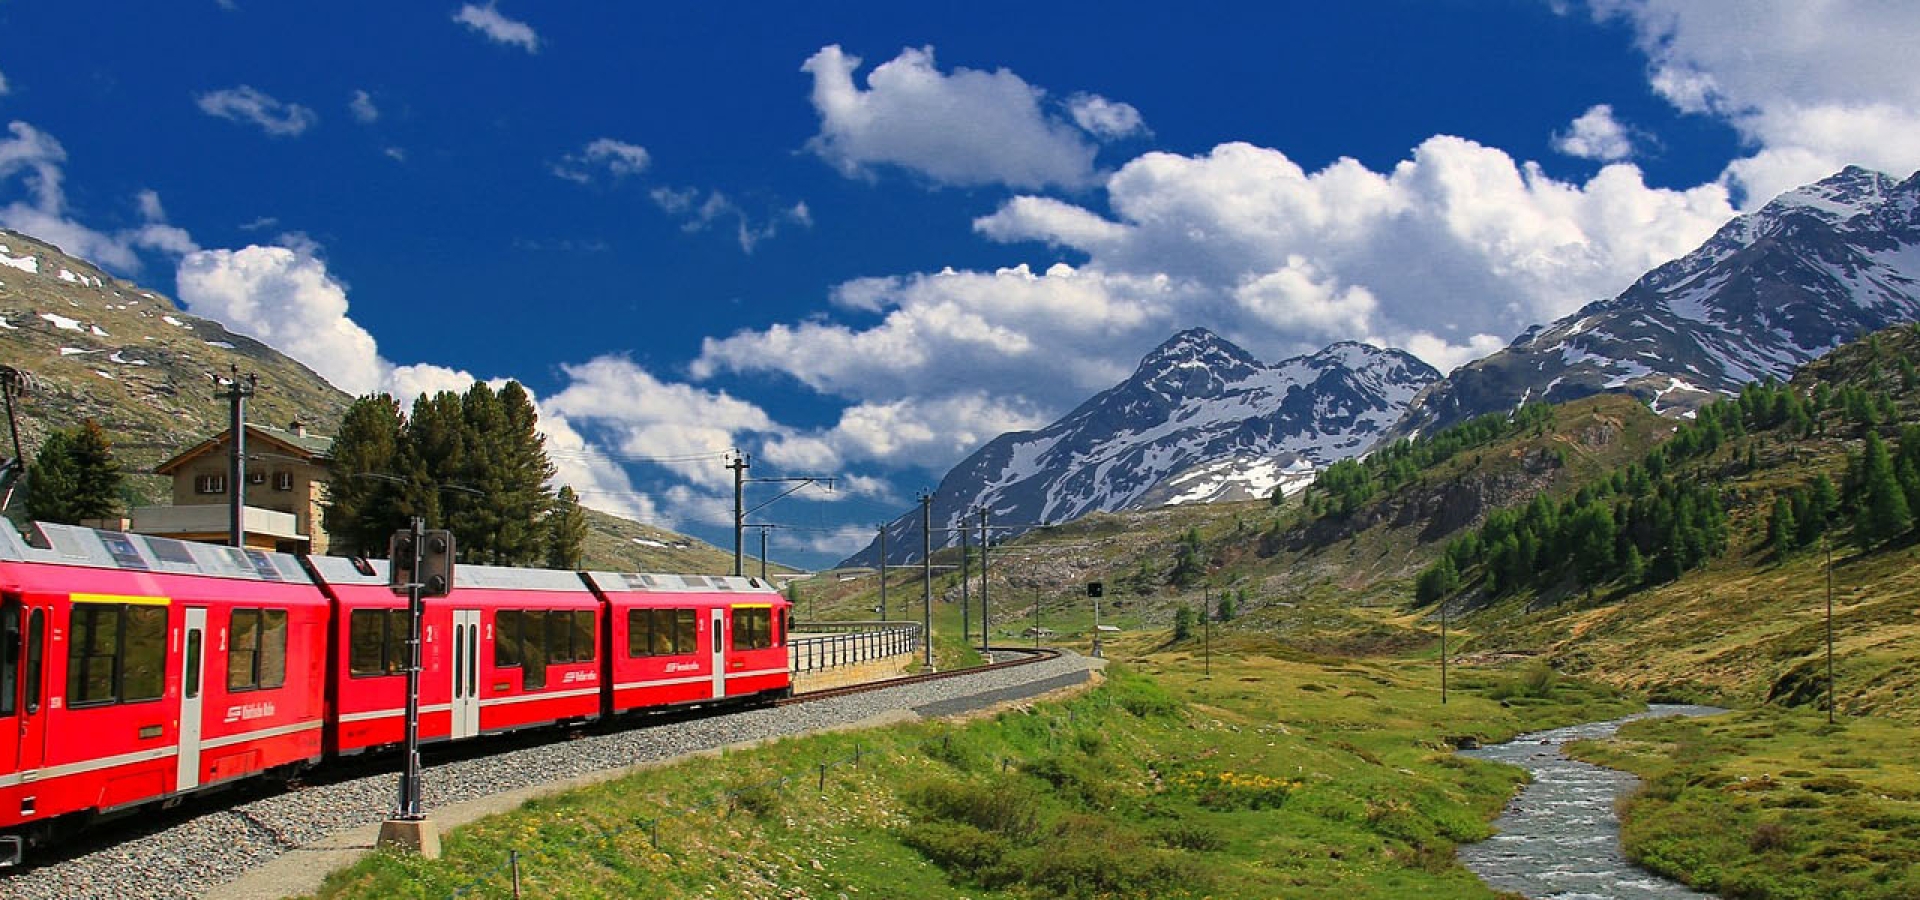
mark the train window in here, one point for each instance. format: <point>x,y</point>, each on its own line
<point>375,639</point>
<point>583,643</point>
<point>658,632</point>
<point>752,629</point>
<point>36,650</point>
<point>257,649</point>
<point>192,688</point>
<point>117,652</point>
<point>663,634</point>
<point>533,650</point>
<point>559,636</point>
<point>506,637</point>
<point>92,650</point>
<point>143,672</point>
<point>686,631</point>
<point>639,632</point>
<point>243,650</point>
<point>9,655</point>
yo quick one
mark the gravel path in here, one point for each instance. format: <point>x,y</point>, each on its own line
<point>203,853</point>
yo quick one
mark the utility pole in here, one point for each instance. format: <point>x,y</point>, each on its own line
<point>883,571</point>
<point>739,464</point>
<point>1828,545</point>
<point>1443,651</point>
<point>983,582</point>
<point>966,579</point>
<point>926,573</point>
<point>13,382</point>
<point>239,388</point>
<point>1206,629</point>
<point>763,552</point>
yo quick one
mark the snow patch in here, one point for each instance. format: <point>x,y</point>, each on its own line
<point>75,351</point>
<point>173,321</point>
<point>27,264</point>
<point>60,321</point>
<point>224,345</point>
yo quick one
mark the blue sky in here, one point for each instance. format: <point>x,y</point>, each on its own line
<point>863,239</point>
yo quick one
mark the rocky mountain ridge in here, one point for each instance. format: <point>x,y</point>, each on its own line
<point>1196,399</point>
<point>1770,290</point>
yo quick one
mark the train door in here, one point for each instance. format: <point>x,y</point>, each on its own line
<point>192,669</point>
<point>31,710</point>
<point>719,618</point>
<point>13,638</point>
<point>466,673</point>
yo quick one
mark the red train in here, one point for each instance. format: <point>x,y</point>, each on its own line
<point>136,669</point>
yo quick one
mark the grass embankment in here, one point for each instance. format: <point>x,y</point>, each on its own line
<point>1280,776</point>
<point>1774,803</point>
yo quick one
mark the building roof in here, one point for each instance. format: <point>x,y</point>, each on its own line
<point>304,447</point>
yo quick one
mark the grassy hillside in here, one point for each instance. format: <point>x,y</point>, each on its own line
<point>1295,776</point>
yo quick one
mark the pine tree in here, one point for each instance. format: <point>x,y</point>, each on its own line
<point>1822,500</point>
<point>1437,582</point>
<point>358,508</point>
<point>1182,622</point>
<point>431,460</point>
<point>1783,533</point>
<point>98,475</point>
<point>525,472</point>
<point>1187,564</point>
<point>1224,612</point>
<point>566,531</point>
<point>53,481</point>
<point>74,477</point>
<point>1883,512</point>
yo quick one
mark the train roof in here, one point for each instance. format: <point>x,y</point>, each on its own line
<point>342,571</point>
<point>72,545</point>
<point>625,582</point>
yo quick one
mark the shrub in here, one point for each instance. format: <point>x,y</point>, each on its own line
<point>999,808</point>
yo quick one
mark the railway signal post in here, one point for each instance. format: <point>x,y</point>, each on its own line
<point>422,565</point>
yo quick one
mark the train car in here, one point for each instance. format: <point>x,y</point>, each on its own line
<point>677,640</point>
<point>135,669</point>
<point>505,649</point>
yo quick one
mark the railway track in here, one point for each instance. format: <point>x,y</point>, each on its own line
<point>1028,656</point>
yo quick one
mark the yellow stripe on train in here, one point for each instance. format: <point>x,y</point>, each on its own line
<point>135,599</point>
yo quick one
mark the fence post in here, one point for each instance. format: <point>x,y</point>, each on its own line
<point>653,833</point>
<point>823,778</point>
<point>513,862</point>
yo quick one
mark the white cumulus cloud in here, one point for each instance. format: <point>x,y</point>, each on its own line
<point>967,127</point>
<point>1105,119</point>
<point>1813,86</point>
<point>249,105</point>
<point>618,159</point>
<point>361,105</point>
<point>1447,254</point>
<point>498,28</point>
<point>1596,134</point>
<point>34,161</point>
<point>286,299</point>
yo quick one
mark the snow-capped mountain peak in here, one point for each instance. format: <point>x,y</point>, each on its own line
<point>1195,400</point>
<point>1768,292</point>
